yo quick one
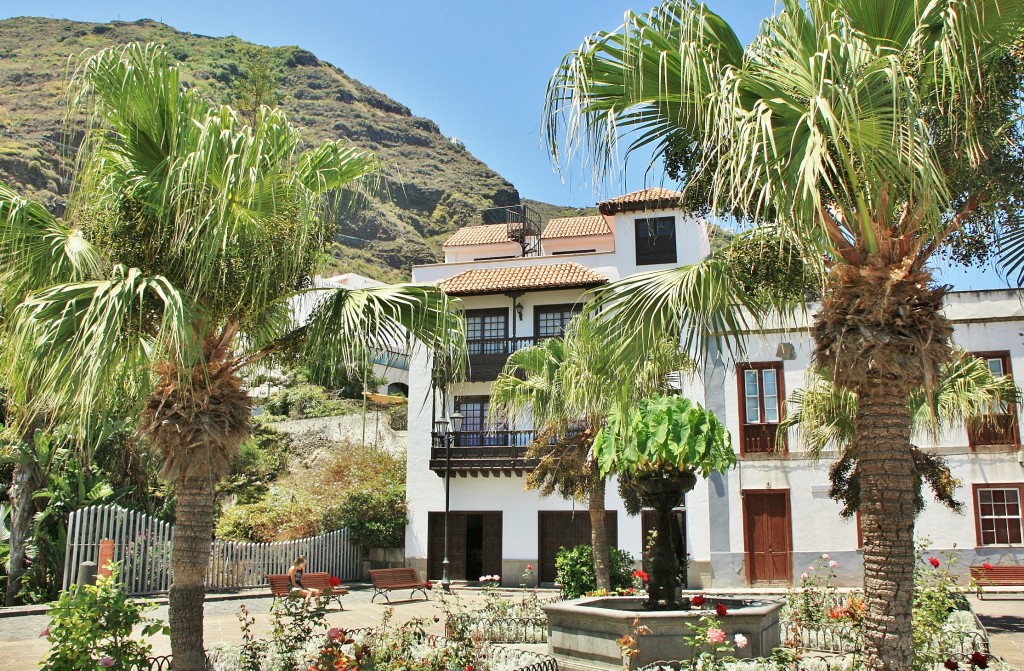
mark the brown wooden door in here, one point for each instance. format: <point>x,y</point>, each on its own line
<point>474,545</point>
<point>568,529</point>
<point>768,536</point>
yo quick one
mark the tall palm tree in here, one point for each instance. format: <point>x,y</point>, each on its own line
<point>567,387</point>
<point>195,230</point>
<point>855,125</point>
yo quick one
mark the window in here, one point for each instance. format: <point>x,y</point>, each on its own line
<point>475,432</point>
<point>655,241</point>
<point>761,395</point>
<point>997,514</point>
<point>550,320</point>
<point>486,331</point>
<point>999,427</point>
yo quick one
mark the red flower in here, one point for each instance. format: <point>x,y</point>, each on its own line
<point>334,581</point>
<point>721,609</point>
<point>951,664</point>
<point>987,566</point>
<point>934,562</point>
<point>697,601</point>
<point>529,567</point>
<point>979,659</point>
<point>428,584</point>
<point>640,574</point>
<point>469,667</point>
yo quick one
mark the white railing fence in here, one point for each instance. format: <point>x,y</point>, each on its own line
<point>142,544</point>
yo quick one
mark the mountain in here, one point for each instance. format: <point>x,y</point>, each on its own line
<point>430,184</point>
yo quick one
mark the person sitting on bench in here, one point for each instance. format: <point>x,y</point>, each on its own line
<point>295,579</point>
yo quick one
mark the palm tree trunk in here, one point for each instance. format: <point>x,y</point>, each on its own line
<point>193,530</point>
<point>21,524</point>
<point>599,532</point>
<point>887,509</point>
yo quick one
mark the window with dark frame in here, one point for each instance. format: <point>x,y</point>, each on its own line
<point>655,241</point>
<point>475,431</point>
<point>997,514</point>
<point>761,399</point>
<point>999,426</point>
<point>486,331</point>
<point>550,320</point>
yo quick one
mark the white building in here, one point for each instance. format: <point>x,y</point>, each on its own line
<point>761,523</point>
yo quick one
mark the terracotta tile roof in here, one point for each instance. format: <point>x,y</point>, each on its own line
<point>645,199</point>
<point>576,227</point>
<point>478,235</point>
<point>521,278</point>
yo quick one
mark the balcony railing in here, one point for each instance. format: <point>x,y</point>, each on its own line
<point>485,452</point>
<point>487,356</point>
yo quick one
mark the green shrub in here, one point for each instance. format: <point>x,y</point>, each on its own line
<point>575,570</point>
<point>398,417</point>
<point>374,518</point>
<point>94,622</point>
<point>261,459</point>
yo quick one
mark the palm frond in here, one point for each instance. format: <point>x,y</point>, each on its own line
<point>702,305</point>
<point>79,349</point>
<point>350,325</point>
<point>37,250</point>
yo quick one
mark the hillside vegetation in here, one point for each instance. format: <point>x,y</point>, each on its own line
<point>430,186</point>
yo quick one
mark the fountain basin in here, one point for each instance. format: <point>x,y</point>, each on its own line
<point>582,632</point>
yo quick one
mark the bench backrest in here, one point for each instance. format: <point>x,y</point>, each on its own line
<point>387,577</point>
<point>280,585</point>
<point>320,580</point>
<point>998,575</point>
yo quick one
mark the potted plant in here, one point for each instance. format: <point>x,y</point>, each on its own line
<point>659,449</point>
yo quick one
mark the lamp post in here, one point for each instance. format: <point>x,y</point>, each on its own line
<point>443,435</point>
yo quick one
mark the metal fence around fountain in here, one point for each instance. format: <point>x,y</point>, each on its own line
<point>143,544</point>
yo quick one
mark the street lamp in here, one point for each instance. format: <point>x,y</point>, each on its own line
<point>447,438</point>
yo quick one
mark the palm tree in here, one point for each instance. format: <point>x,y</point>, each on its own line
<point>193,230</point>
<point>867,130</point>
<point>568,387</point>
<point>825,417</point>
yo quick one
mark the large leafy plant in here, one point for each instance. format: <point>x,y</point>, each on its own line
<point>664,434</point>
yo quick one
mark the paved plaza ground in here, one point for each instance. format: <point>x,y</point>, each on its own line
<point>21,647</point>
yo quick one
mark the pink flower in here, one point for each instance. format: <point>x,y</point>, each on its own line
<point>833,564</point>
<point>334,633</point>
<point>824,556</point>
<point>803,576</point>
<point>716,636</point>
<point>810,568</point>
<point>44,633</point>
<point>741,641</point>
<point>934,562</point>
<point>106,661</point>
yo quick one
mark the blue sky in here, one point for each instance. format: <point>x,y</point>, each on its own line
<point>476,67</point>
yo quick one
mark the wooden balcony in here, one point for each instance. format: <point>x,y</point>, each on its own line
<point>487,453</point>
<point>487,357</point>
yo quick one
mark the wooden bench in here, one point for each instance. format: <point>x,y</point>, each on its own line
<point>281,586</point>
<point>387,579</point>
<point>322,582</point>
<point>998,576</point>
